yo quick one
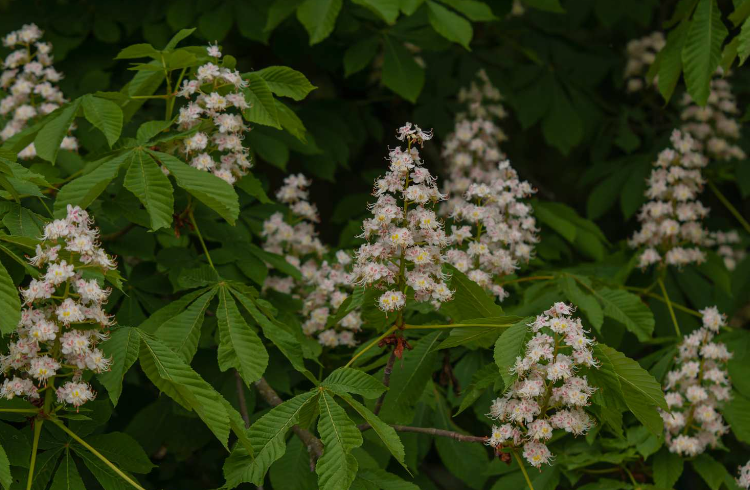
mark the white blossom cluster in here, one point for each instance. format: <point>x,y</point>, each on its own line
<point>641,54</point>
<point>696,388</point>
<point>728,247</point>
<point>671,229</point>
<point>743,480</point>
<point>472,150</point>
<point>548,393</point>
<point>714,127</point>
<point>405,238</point>
<point>325,285</point>
<point>216,102</point>
<point>494,230</point>
<point>28,83</point>
<point>63,321</point>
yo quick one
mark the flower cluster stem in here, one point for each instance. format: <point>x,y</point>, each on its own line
<point>200,238</point>
<point>669,307</point>
<point>523,469</point>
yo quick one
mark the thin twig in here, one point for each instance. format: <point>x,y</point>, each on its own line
<point>371,345</point>
<point>729,206</point>
<point>386,381</point>
<point>200,237</point>
<point>433,432</point>
<point>241,398</point>
<point>313,444</point>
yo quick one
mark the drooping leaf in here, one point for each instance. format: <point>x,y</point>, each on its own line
<point>509,346</point>
<point>628,309</point>
<point>319,17</point>
<point>359,55</point>
<point>338,467</point>
<point>710,470</point>
<point>149,184</point>
<point>49,138</point>
<point>701,53</point>
<point>105,115</point>
<point>286,82</point>
<point>450,25</point>
<point>67,476</point>
<point>182,332</point>
<point>670,66</point>
<point>10,303</point>
<point>348,380</point>
<point>123,450</point>
<point>470,300</point>
<point>667,468</point>
<point>401,73</point>
<point>122,348</point>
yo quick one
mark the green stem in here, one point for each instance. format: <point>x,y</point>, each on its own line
<point>677,306</point>
<point>457,325</point>
<point>669,306</point>
<point>630,475</point>
<point>46,207</point>
<point>96,453</point>
<point>371,345</point>
<point>729,206</point>
<point>19,410</point>
<point>34,449</point>
<point>523,469</point>
<point>200,237</point>
<point>530,278</point>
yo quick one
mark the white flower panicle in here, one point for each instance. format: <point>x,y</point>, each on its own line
<point>405,239</point>
<point>715,126</point>
<point>729,247</point>
<point>472,150</point>
<point>325,284</point>
<point>548,393</point>
<point>641,54</point>
<point>216,101</point>
<point>743,480</point>
<point>494,230</point>
<point>696,389</point>
<point>29,82</point>
<point>64,320</point>
<point>671,230</point>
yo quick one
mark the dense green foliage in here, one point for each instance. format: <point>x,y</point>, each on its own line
<point>213,382</point>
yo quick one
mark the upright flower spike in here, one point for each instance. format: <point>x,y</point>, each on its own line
<point>641,54</point>
<point>403,255</point>
<point>64,320</point>
<point>494,230</point>
<point>30,83</point>
<point>697,388</point>
<point>548,394</point>
<point>729,247</point>
<point>215,104</point>
<point>472,151</point>
<point>671,230</point>
<point>743,480</point>
<point>325,284</point>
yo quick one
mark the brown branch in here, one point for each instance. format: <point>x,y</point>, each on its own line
<point>386,380</point>
<point>241,398</point>
<point>433,432</point>
<point>312,443</point>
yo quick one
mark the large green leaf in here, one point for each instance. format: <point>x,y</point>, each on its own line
<point>67,476</point>
<point>107,478</point>
<point>737,413</point>
<point>383,480</point>
<point>174,308</point>
<point>509,346</point>
<point>347,380</point>
<point>450,25</point>
<point>122,450</point>
<point>262,109</point>
<point>701,53</point>
<point>337,468</point>
<point>359,55</point>
<point>239,346</point>
<point>583,300</point>
<point>408,379</point>
<point>319,17</point>
<point>177,379</point>
<point>122,348</point>
<point>105,115</point>
<point>286,82</point>
<point>10,303</point>
<point>712,472</point>
<point>85,189</point>
<point>385,432</point>
<point>667,468</point>
<point>385,9</point>
<point>670,66</point>
<point>470,300</point>
<point>267,435</point>
<point>292,472</point>
<point>149,184</point>
<point>628,309</point>
<point>204,186</point>
<point>401,73</point>
<point>47,141</point>
<point>5,477</point>
<point>182,332</point>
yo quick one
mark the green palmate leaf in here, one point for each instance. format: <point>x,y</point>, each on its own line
<point>451,26</point>
<point>670,58</point>
<point>204,186</point>
<point>710,470</point>
<point>410,379</point>
<point>267,435</point>
<point>262,109</point>
<point>347,380</point>
<point>149,129</point>
<point>5,477</point>
<point>293,469</point>
<point>47,141</point>
<point>291,122</point>
<point>640,391</point>
<point>23,222</point>
<point>385,432</point>
<point>628,309</point>
<point>470,300</point>
<point>482,379</point>
<point>122,450</point>
<point>667,468</point>
<point>105,115</point>
<point>162,315</point>
<point>138,51</point>
<point>10,303</point>
<point>182,332</point>
<point>85,189</point>
<point>401,73</point>
<point>177,379</point>
<point>239,346</point>
<point>122,348</point>
<point>701,53</point>
<point>509,346</point>
<point>149,184</point>
<point>286,82</point>
<point>583,300</point>
<point>250,184</point>
<point>385,9</point>
<point>319,17</point>
<point>737,413</point>
<point>67,476</point>
<point>45,467</point>
<point>337,468</point>
<point>359,55</point>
